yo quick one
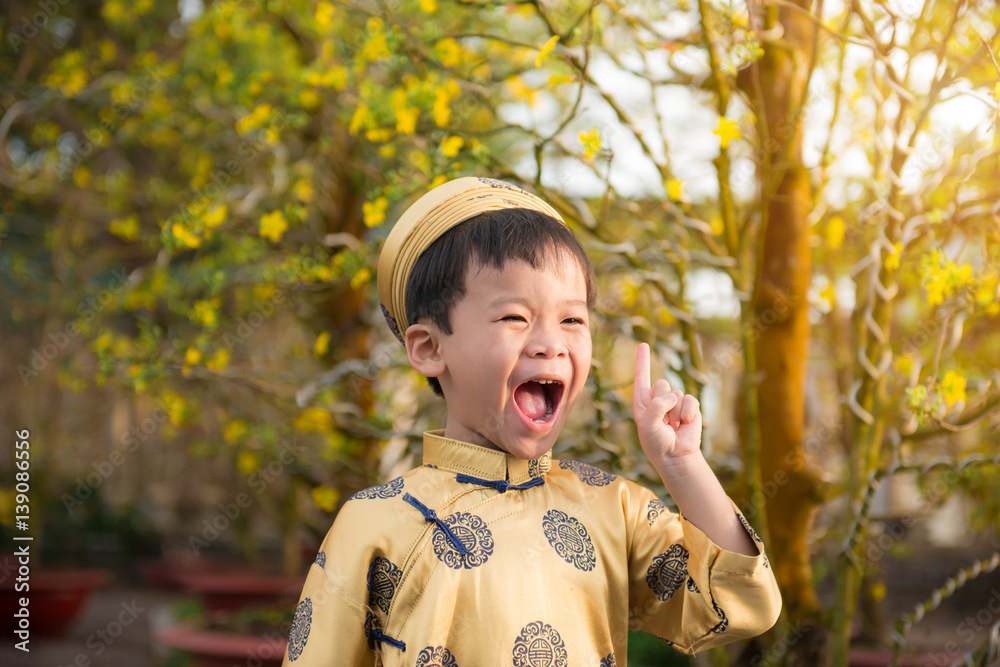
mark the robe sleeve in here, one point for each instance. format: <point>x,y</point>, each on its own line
<point>685,589</point>
<point>333,619</point>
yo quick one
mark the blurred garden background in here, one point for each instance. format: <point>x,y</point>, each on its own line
<point>795,203</point>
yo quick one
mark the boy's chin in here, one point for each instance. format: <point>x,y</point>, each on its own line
<point>531,447</point>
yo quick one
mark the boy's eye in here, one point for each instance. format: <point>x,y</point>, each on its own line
<point>573,320</point>
<point>512,318</point>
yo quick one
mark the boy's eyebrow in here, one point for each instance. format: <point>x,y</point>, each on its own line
<point>506,300</point>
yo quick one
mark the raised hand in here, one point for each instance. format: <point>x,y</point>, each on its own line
<point>669,421</point>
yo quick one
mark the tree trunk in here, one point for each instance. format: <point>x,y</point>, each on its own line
<point>776,85</point>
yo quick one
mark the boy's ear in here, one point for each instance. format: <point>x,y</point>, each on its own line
<point>423,349</point>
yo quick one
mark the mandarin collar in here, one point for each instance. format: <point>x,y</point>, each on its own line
<point>492,464</point>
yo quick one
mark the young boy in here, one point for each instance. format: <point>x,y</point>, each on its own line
<point>493,553</point>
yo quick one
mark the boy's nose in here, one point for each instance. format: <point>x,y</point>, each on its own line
<point>547,344</point>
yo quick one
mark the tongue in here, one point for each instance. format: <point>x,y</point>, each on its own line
<point>530,397</point>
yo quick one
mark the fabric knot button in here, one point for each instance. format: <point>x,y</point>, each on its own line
<point>375,636</point>
<point>446,529</point>
<point>500,485</point>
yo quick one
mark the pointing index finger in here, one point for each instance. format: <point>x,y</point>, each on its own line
<point>641,369</point>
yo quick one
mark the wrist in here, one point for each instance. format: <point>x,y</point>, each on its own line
<point>676,468</point>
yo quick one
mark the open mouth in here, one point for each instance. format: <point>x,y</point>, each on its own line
<point>538,399</point>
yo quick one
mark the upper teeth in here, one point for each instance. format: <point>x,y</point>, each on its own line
<point>547,381</point>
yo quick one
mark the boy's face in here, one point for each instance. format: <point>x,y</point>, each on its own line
<point>518,355</point>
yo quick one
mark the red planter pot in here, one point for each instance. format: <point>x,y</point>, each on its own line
<point>54,598</point>
<point>229,591</point>
<point>217,649</point>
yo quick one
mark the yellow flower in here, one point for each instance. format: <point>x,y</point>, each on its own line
<point>273,225</point>
<point>303,190</point>
<point>521,91</point>
<point>108,50</point>
<point>81,176</point>
<point>220,361</point>
<point>361,115</point>
<point>247,462</point>
<point>429,6</point>
<point>223,74</point>
<point>192,356</point>
<point>125,228</point>
<point>443,95</point>
<point>630,289</point>
<point>717,226</point>
<point>935,293</point>
<point>314,419</point>
<point>675,189</point>
<point>545,50</point>
<point>254,119</point>
<point>727,130</point>
<point>103,342</point>
<point>891,261</point>
<point>376,48</point>
<point>324,14</point>
<point>449,52</point>
<point>406,120</point>
<point>176,408</point>
<point>440,179</point>
<point>234,431</point>
<point>309,98</point>
<point>828,294</point>
<point>216,216</point>
<point>878,591</point>
<point>591,140</point>
<point>835,232</point>
<point>205,312</point>
<point>953,388</point>
<point>184,235</point>
<point>374,212</point>
<point>420,161</point>
<point>325,498</point>
<point>322,344</point>
<point>360,278</point>
<point>379,136</point>
<point>452,145</point>
<point>986,291</point>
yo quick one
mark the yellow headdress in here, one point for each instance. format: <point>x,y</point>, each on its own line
<point>426,220</point>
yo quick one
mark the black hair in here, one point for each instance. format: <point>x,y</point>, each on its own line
<point>489,239</point>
